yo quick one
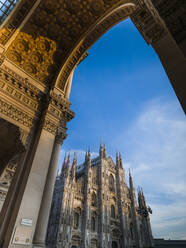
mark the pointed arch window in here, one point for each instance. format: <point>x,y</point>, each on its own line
<point>94,199</point>
<point>111,183</point>
<point>76,220</point>
<point>93,224</point>
<point>113,213</point>
<point>6,6</point>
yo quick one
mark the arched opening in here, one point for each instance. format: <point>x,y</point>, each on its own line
<point>94,200</point>
<point>113,213</point>
<point>93,224</point>
<point>76,220</point>
<point>111,183</point>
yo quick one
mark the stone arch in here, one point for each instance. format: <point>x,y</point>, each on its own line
<point>101,26</point>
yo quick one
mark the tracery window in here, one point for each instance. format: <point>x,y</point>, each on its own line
<point>94,199</point>
<point>93,224</point>
<point>6,6</point>
<point>111,183</point>
<point>113,213</point>
<point>76,220</point>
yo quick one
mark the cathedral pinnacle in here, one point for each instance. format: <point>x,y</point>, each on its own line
<point>120,161</point>
<point>117,160</point>
<point>64,165</point>
<point>101,151</point>
<point>68,163</point>
<point>74,165</point>
<point>104,152</point>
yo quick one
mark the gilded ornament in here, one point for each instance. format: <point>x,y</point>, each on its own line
<point>30,68</point>
<point>36,58</point>
<point>14,56</point>
<point>43,45</point>
<point>21,45</point>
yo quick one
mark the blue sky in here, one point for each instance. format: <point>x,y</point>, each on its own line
<point>122,96</point>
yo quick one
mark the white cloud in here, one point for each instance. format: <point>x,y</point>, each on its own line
<point>156,148</point>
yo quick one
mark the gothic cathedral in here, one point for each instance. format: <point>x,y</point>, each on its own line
<point>93,207</point>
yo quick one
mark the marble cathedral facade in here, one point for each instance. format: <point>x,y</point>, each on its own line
<point>93,207</point>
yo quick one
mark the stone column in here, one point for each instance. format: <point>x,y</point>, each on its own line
<point>174,63</point>
<point>42,222</point>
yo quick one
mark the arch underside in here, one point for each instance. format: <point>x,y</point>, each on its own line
<point>57,35</point>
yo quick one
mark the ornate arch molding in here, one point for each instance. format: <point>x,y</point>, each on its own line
<point>106,22</point>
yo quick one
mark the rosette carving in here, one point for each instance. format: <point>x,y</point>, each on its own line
<point>14,56</point>
<point>30,68</point>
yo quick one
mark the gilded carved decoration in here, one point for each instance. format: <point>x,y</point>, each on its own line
<point>52,32</point>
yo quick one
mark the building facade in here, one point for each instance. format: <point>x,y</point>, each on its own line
<point>93,207</point>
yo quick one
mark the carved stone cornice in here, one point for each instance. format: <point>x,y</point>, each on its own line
<point>20,90</point>
<point>60,107</point>
<point>148,21</point>
<point>16,114</point>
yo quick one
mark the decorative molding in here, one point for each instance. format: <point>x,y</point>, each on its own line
<point>148,21</point>
<point>16,114</point>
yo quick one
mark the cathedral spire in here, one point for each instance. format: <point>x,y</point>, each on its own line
<point>120,161</point>
<point>86,156</point>
<point>63,169</point>
<point>68,164</point>
<point>117,160</point>
<point>131,182</point>
<point>58,173</point>
<point>74,165</point>
<point>105,152</point>
<point>101,151</point>
<point>89,158</point>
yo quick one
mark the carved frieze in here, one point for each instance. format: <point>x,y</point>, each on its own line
<point>148,21</point>
<point>16,114</point>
